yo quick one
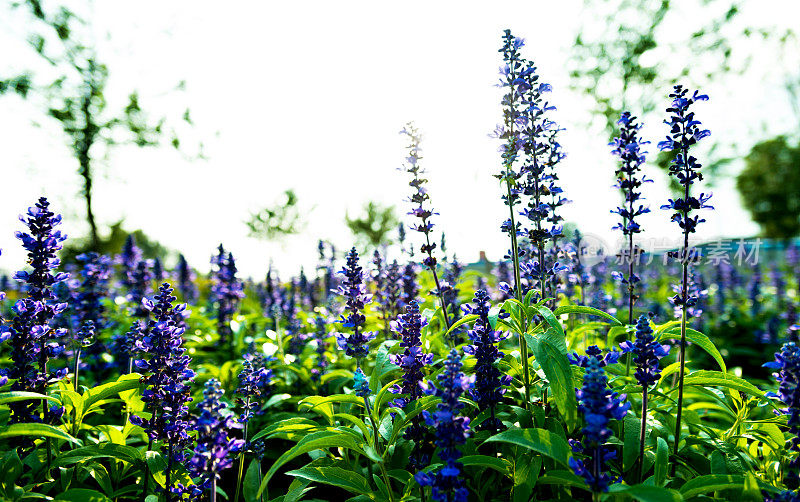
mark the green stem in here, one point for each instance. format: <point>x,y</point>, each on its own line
<point>241,457</point>
<point>642,433</point>
<point>376,435</point>
<point>523,344</point>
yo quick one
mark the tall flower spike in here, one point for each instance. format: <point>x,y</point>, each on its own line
<point>31,333</point>
<point>489,382</point>
<point>321,342</point>
<point>166,371</point>
<point>452,431</point>
<point>254,382</point>
<point>535,131</point>
<point>647,353</point>
<point>594,352</point>
<point>420,200</point>
<point>227,292</point>
<point>87,297</point>
<point>599,406</point>
<point>214,450</point>
<point>412,359</point>
<point>355,344</point>
<point>186,278</point>
<point>628,147</point>
<point>136,276</point>
<point>684,133</point>
<point>787,366</point>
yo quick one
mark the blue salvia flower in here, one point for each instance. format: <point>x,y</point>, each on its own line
<point>31,334</point>
<point>412,360</point>
<point>137,276</point>
<point>684,133</point>
<point>647,353</point>
<point>186,277</point>
<point>123,346</point>
<point>420,199</point>
<point>82,339</point>
<point>599,406</point>
<point>87,301</point>
<point>451,276</point>
<point>92,289</point>
<point>410,288</point>
<point>401,236</point>
<point>227,292</point>
<point>321,342</point>
<point>293,327</point>
<point>254,382</point>
<point>393,290</point>
<point>787,364</point>
<point>352,288</point>
<point>538,271</point>
<point>505,281</point>
<point>360,383</point>
<point>167,376</point>
<point>628,147</point>
<point>510,133</point>
<point>754,291</point>
<point>489,381</point>
<point>784,496</point>
<point>779,284</point>
<point>158,270</point>
<point>379,280</point>
<point>594,352</point>
<point>215,450</point>
<point>451,431</point>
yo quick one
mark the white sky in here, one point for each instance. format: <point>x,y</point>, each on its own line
<point>311,96</point>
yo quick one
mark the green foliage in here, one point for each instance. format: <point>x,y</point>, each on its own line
<point>373,226</point>
<point>281,220</point>
<point>770,187</point>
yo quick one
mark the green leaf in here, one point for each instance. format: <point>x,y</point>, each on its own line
<point>705,378</point>
<point>105,391</point>
<point>662,461</point>
<point>565,478</point>
<point>698,339</point>
<point>463,320</point>
<point>11,469</point>
<point>499,464</point>
<point>103,450</point>
<point>251,481</point>
<point>711,483</point>
<point>39,430</point>
<point>297,489</point>
<point>581,309</point>
<point>14,396</point>
<point>559,373</point>
<point>336,476</point>
<point>82,495</point>
<point>647,493</point>
<point>539,440</point>
<point>630,449</point>
<point>315,441</point>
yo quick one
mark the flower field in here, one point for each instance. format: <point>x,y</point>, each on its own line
<point>400,374</point>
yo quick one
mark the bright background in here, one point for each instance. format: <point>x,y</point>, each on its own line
<point>311,96</point>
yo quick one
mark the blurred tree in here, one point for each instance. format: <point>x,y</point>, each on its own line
<point>770,187</point>
<point>280,221</point>
<point>629,53</point>
<point>374,224</point>
<point>111,244</point>
<point>75,97</point>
